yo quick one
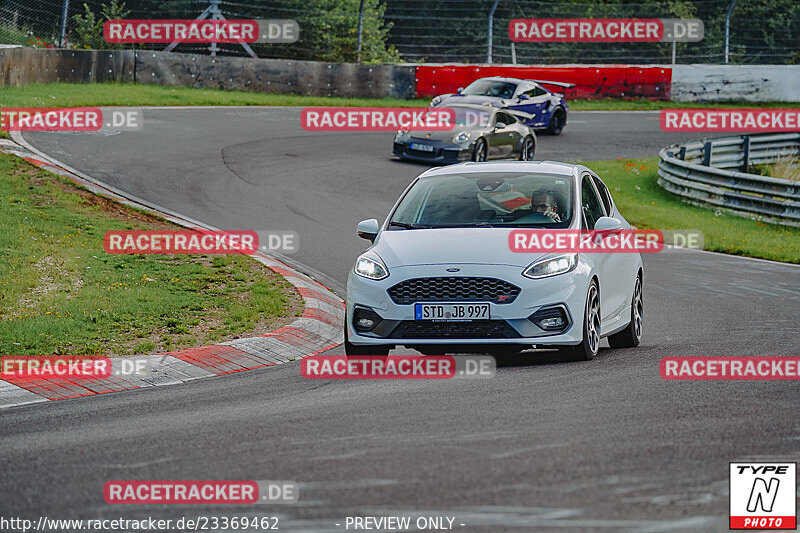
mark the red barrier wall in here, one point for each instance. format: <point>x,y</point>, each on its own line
<point>591,81</point>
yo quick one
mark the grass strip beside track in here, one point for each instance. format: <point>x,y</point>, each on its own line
<point>61,293</point>
<point>633,184</point>
<point>130,94</point>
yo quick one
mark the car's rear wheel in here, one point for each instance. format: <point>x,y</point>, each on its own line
<point>479,151</point>
<point>631,336</point>
<point>557,122</point>
<point>352,349</point>
<point>590,345</point>
<point>528,149</point>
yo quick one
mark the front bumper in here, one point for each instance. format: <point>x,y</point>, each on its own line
<point>442,154</point>
<point>508,324</point>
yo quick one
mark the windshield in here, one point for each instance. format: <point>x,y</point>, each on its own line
<point>486,199</point>
<point>501,89</point>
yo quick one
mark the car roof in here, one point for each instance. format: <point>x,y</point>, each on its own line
<point>539,167</point>
<point>503,78</point>
<point>482,107</point>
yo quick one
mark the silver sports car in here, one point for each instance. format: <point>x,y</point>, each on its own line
<point>481,133</point>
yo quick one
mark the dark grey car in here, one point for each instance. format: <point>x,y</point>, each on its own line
<point>481,133</point>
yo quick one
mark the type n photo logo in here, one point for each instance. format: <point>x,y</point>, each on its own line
<point>763,496</point>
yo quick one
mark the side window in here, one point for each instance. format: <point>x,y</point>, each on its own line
<point>534,92</point>
<point>590,203</point>
<point>508,119</point>
<point>605,196</point>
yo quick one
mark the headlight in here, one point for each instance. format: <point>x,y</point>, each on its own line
<point>461,137</point>
<point>436,101</point>
<point>551,266</point>
<point>402,133</point>
<point>370,266</point>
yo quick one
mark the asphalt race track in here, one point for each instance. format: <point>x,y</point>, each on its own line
<point>605,445</point>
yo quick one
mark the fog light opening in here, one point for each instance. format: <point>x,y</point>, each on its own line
<point>553,318</point>
<point>365,320</point>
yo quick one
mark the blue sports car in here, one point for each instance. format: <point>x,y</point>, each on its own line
<point>548,110</point>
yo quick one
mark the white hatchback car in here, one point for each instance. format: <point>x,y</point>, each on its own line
<point>440,276</point>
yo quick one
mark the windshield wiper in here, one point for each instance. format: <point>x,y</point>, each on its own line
<point>405,226</point>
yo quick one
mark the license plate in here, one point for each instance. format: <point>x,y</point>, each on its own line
<point>451,312</point>
<point>422,147</point>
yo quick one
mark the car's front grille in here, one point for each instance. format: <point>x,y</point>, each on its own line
<point>480,329</point>
<point>453,289</point>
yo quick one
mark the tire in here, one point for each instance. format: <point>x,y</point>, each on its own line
<point>590,343</point>
<point>352,349</point>
<point>631,336</point>
<point>557,122</point>
<point>528,149</point>
<point>479,151</point>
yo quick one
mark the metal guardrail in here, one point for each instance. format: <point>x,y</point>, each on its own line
<point>701,172</point>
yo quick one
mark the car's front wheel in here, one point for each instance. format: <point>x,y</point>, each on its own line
<point>352,349</point>
<point>528,149</point>
<point>631,336</point>
<point>590,345</point>
<point>479,151</point>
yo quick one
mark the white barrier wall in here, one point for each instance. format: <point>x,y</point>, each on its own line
<point>705,83</point>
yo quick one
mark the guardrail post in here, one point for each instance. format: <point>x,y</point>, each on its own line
<point>707,154</point>
<point>745,153</point>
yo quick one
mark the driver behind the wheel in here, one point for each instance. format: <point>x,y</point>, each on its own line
<point>545,204</point>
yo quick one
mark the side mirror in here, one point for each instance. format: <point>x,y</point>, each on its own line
<point>459,90</point>
<point>500,125</point>
<point>524,97</point>
<point>607,224</point>
<point>368,229</point>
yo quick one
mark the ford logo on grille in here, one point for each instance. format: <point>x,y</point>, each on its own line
<point>453,269</point>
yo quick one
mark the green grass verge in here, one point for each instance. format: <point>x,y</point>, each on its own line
<point>633,184</point>
<point>129,94</point>
<point>61,293</point>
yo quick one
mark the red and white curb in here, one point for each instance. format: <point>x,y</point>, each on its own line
<point>319,328</point>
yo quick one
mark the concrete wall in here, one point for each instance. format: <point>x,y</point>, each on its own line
<point>23,66</point>
<point>280,76</point>
<point>704,83</point>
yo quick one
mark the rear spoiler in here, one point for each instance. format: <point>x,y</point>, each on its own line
<point>558,83</point>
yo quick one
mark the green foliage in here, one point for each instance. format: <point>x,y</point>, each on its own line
<point>88,28</point>
<point>329,32</point>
